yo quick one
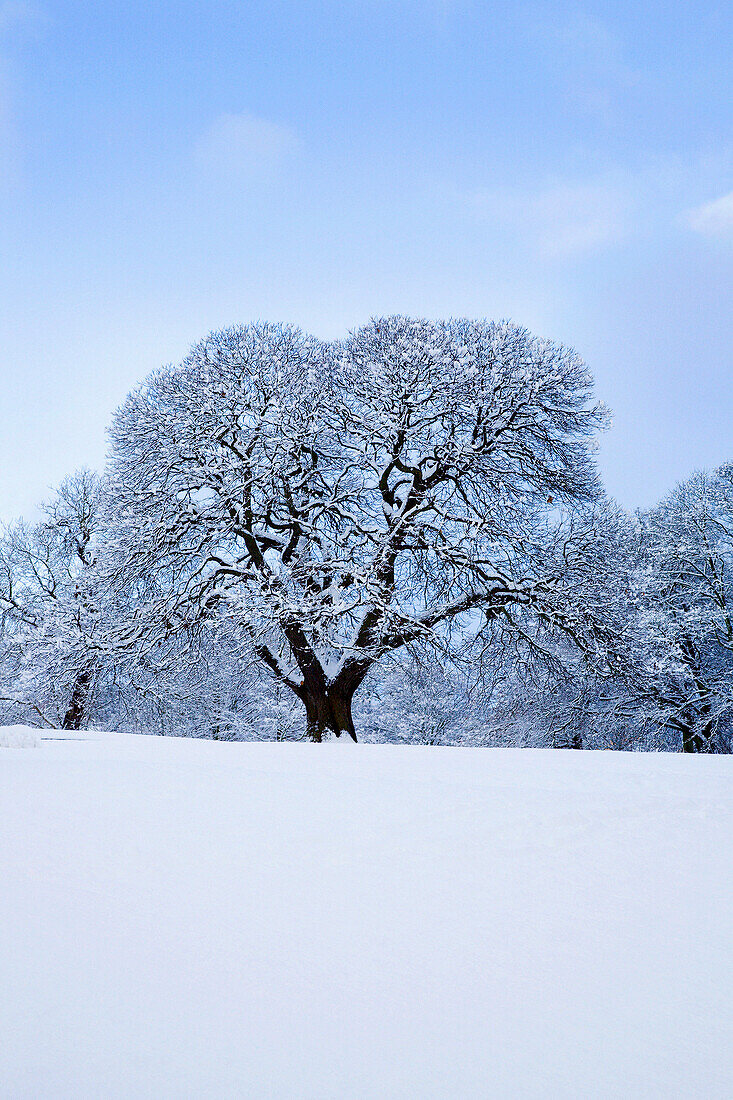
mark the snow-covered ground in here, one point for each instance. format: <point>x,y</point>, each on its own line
<point>18,737</point>
<point>186,918</point>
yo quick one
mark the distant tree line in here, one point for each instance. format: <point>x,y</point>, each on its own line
<point>401,536</point>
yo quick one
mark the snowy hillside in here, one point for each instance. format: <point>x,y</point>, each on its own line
<point>185,918</point>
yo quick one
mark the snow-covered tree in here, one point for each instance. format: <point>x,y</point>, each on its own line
<point>205,685</point>
<point>684,601</point>
<point>414,484</point>
<point>665,581</point>
<point>420,698</point>
<point>47,665</point>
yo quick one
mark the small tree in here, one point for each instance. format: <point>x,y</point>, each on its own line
<point>417,482</point>
<point>684,600</point>
<point>48,664</point>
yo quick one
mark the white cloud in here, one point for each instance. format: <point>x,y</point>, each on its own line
<point>588,56</point>
<point>244,145</point>
<point>590,42</point>
<point>714,219</point>
<point>562,219</point>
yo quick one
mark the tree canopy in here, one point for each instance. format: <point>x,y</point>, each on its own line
<point>336,502</point>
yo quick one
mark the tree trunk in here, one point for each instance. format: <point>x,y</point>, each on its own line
<point>75,715</point>
<point>329,711</point>
<point>697,735</point>
<point>691,741</point>
<point>568,740</point>
<point>694,741</point>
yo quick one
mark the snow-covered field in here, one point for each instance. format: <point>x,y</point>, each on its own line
<point>185,918</point>
<point>18,737</point>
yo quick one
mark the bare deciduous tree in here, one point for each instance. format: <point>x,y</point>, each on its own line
<point>44,606</point>
<point>416,482</point>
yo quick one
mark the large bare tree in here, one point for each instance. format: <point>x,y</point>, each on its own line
<point>412,484</point>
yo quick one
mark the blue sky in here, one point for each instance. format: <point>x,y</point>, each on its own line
<point>169,168</point>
